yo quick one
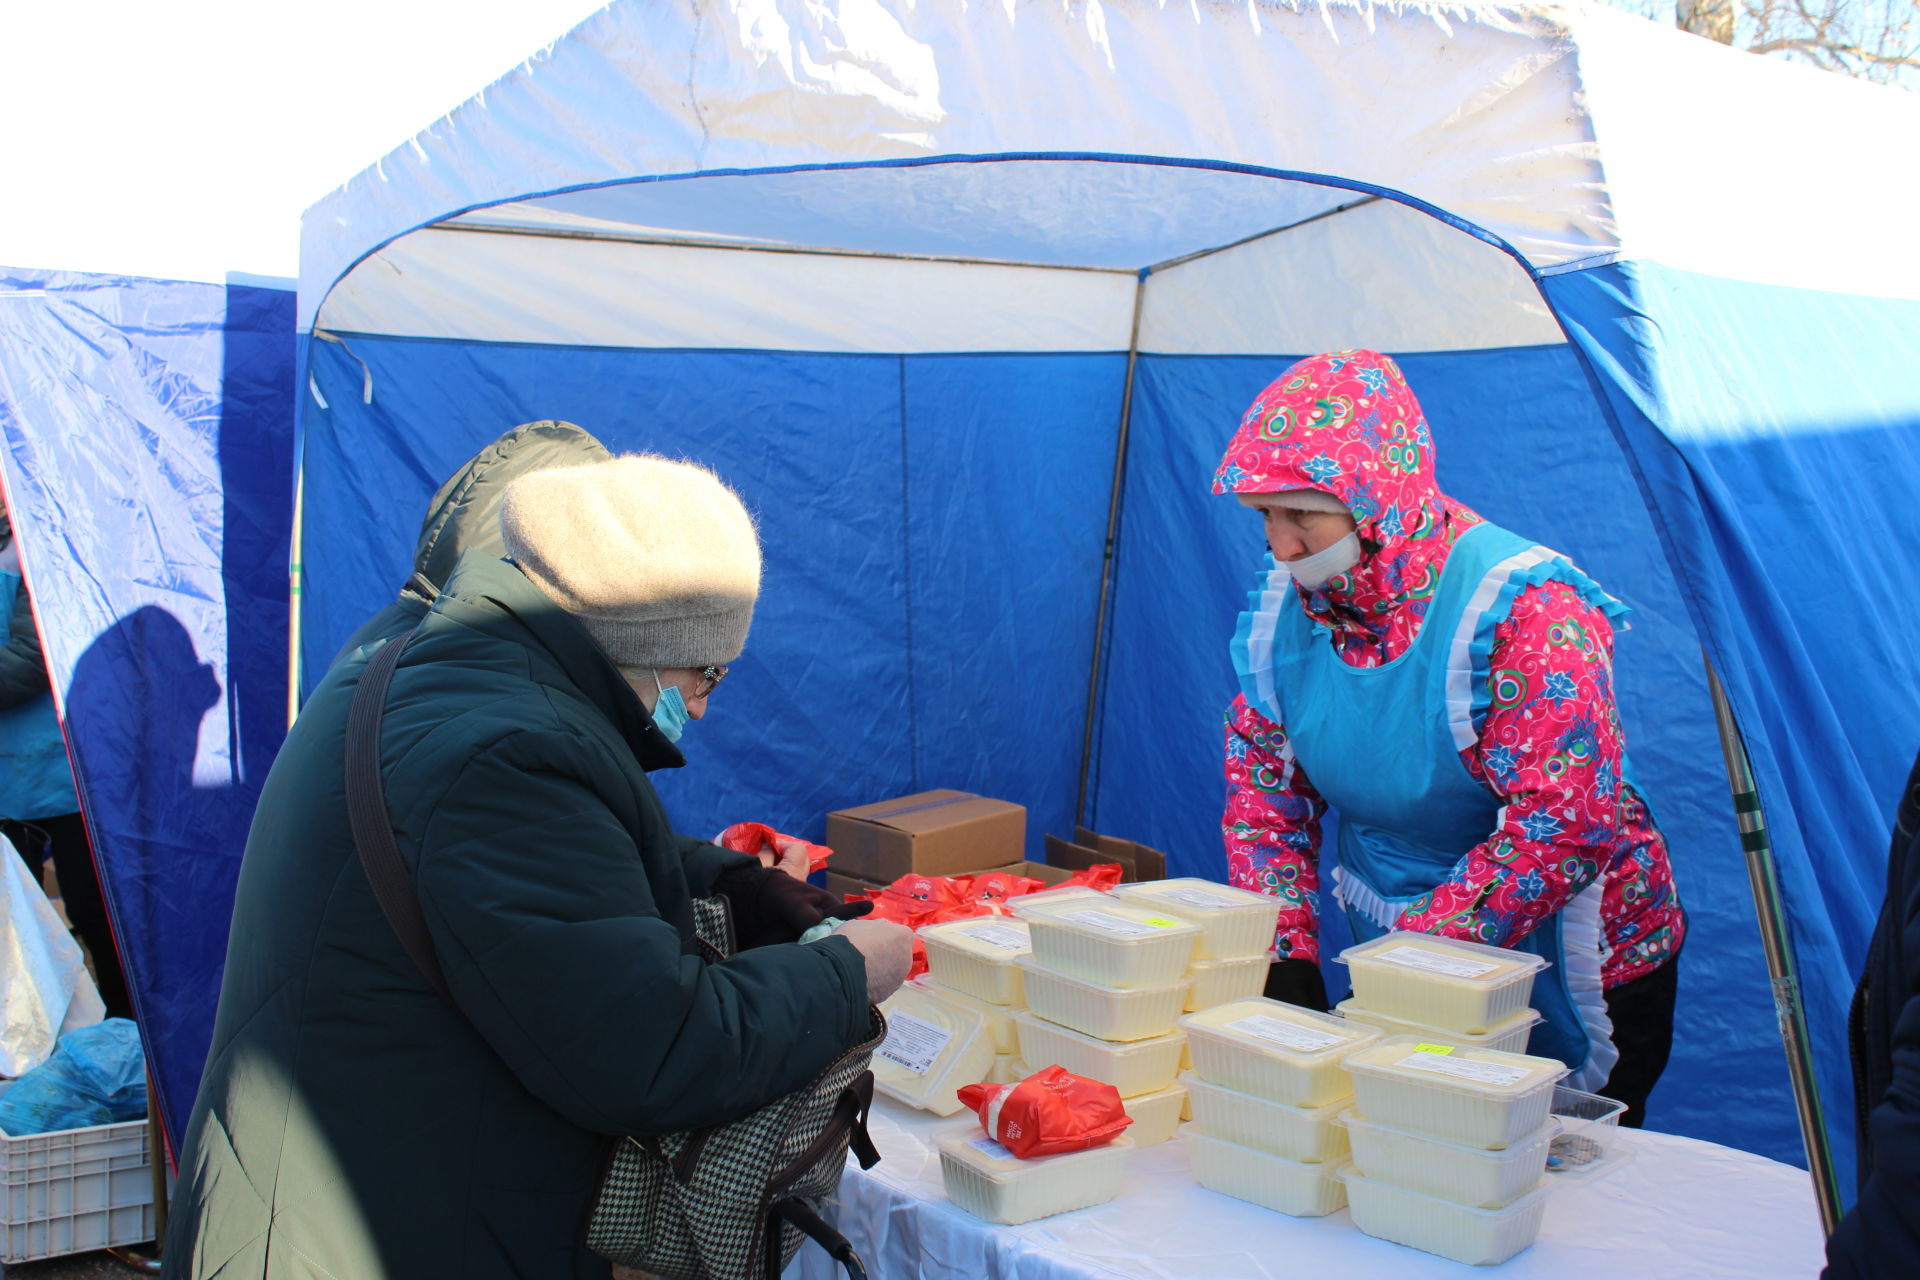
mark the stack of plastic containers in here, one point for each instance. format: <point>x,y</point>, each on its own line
<point>1105,984</point>
<point>1450,1130</point>
<point>1266,1085</point>
<point>1230,957</point>
<point>1459,993</point>
<point>974,964</point>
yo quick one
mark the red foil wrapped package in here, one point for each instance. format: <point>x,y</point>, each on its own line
<point>1048,1113</point>
<point>763,841</point>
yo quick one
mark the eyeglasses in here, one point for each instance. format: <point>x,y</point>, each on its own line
<point>710,678</point>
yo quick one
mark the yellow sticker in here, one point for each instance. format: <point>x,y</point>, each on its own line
<point>1161,922</point>
<point>1433,1048</point>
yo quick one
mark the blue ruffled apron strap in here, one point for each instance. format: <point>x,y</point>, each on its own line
<point>1253,638</point>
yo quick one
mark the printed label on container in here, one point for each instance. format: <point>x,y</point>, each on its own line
<point>1199,898</point>
<point>1462,1068</point>
<point>999,935</point>
<point>1114,924</point>
<point>913,1043</point>
<point>991,1148</point>
<point>1290,1034</point>
<point>1435,962</point>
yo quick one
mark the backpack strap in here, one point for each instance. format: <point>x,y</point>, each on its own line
<point>372,824</point>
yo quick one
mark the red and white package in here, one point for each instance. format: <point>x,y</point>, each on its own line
<point>771,846</point>
<point>1049,1113</point>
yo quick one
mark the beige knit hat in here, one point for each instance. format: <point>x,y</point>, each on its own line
<point>657,559</point>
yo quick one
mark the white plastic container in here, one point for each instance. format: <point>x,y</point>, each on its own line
<point>1306,1134</point>
<point>1589,1125</point>
<point>1155,1115</point>
<point>1234,923</point>
<point>1475,1097</point>
<point>1275,1050</point>
<point>1218,981</point>
<point>976,956</point>
<point>74,1190</point>
<point>992,1183</point>
<point>1509,1036</point>
<point>1111,1013</point>
<point>1439,982</point>
<point>1006,1069</point>
<point>933,1048</point>
<point>1471,1176</point>
<point>1478,1237</point>
<point>1262,1178</point>
<point>998,1018</point>
<point>1110,943</point>
<point>1134,1068</point>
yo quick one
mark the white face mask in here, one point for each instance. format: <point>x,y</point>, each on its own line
<point>1316,570</point>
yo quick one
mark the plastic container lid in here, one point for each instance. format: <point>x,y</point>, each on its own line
<point>1045,898</point>
<point>1233,922</point>
<point>998,1018</point>
<point>1134,1068</point>
<point>1483,1073</point>
<point>1111,943</point>
<point>933,1048</point>
<point>1448,959</point>
<point>1106,920</point>
<point>1275,1050</point>
<point>995,939</point>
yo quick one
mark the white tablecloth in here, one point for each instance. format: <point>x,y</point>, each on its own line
<point>1679,1209</point>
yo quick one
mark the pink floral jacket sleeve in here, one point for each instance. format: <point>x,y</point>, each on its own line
<point>1272,827</point>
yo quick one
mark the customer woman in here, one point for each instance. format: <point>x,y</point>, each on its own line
<point>1446,688</point>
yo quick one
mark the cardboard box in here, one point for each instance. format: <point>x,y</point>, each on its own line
<point>840,884</point>
<point>936,833</point>
<point>1047,875</point>
<point>1137,861</point>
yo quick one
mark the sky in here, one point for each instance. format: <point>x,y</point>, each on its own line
<point>184,139</point>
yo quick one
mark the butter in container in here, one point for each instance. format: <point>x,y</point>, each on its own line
<point>993,1184</point>
<point>1111,1013</point>
<point>1234,923</point>
<point>1440,982</point>
<point>1275,1050</point>
<point>977,956</point>
<point>1219,981</point>
<point>1134,1068</point>
<point>1475,1097</point>
<point>1477,1237</point>
<point>1507,1036</point>
<point>1109,942</point>
<point>1262,1178</point>
<point>1309,1135</point>
<point>1471,1176</point>
<point>1155,1115</point>
<point>933,1049</point>
<point>998,1018</point>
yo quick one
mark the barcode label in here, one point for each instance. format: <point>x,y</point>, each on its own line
<point>1435,962</point>
<point>999,935</point>
<point>1464,1069</point>
<point>1289,1034</point>
<point>913,1043</point>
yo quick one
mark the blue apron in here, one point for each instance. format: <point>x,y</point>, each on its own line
<point>35,779</point>
<point>1382,745</point>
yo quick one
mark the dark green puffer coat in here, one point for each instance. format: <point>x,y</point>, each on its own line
<point>351,1124</point>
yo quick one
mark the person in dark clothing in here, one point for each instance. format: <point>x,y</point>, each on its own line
<point>1880,1237</point>
<point>39,810</point>
<point>354,1122</point>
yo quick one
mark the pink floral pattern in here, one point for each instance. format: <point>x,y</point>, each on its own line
<point>1550,746</point>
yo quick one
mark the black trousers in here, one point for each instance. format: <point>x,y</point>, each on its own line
<point>1642,1014</point>
<point>64,839</point>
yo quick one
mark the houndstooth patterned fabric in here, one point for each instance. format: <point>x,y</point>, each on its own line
<point>698,1205</point>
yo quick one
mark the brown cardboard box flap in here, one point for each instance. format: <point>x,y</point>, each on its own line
<point>928,811</point>
<point>1147,863</point>
<point>1074,857</point>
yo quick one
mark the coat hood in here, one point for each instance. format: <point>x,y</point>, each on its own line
<point>465,513</point>
<point>1347,424</point>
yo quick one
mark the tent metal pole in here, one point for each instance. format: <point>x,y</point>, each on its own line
<point>1788,1008</point>
<point>293,596</point>
<point>1106,563</point>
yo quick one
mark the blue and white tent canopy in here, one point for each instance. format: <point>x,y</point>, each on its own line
<point>903,272</point>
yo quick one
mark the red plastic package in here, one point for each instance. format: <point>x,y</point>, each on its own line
<point>998,886</point>
<point>769,845</point>
<point>1049,1113</point>
<point>1101,875</point>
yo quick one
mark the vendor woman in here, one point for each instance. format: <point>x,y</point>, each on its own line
<point>1445,687</point>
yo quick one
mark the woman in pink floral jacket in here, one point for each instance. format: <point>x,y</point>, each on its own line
<point>1446,687</point>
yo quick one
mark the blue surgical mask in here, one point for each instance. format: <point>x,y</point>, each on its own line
<point>669,710</point>
<point>1320,568</point>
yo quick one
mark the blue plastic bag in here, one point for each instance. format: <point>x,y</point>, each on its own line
<point>95,1076</point>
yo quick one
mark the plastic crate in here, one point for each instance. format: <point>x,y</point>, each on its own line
<point>75,1190</point>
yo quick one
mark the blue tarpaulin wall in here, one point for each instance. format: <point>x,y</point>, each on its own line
<point>148,462</point>
<point>932,525</point>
